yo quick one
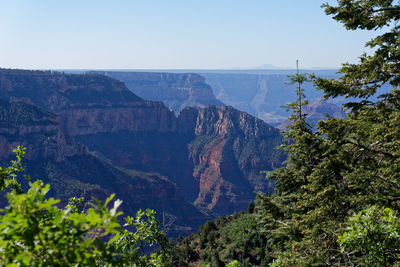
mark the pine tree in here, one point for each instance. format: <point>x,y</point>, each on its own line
<point>346,164</point>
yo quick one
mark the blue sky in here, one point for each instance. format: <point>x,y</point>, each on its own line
<point>172,34</point>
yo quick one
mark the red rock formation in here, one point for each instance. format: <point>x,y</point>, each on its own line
<point>229,149</point>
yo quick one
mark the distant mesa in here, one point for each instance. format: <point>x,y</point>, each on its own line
<point>268,67</point>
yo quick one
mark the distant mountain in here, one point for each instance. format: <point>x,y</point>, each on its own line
<point>268,67</point>
<point>211,157</point>
<point>175,90</point>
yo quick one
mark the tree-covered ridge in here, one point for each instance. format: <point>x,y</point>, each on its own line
<point>57,91</point>
<point>17,113</point>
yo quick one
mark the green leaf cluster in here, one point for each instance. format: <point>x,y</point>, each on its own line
<point>232,240</point>
<point>34,231</point>
<point>372,237</point>
<point>8,175</point>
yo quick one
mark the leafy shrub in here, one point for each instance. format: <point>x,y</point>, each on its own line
<point>35,232</point>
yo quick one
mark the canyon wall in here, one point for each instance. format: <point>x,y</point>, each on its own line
<point>213,155</point>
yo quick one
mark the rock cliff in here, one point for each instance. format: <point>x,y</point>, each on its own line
<point>228,152</point>
<point>316,111</point>
<point>175,90</point>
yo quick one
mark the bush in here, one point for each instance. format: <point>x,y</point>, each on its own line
<point>35,232</point>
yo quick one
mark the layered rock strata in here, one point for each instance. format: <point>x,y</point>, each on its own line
<point>175,90</point>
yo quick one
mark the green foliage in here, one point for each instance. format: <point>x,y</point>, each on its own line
<point>372,237</point>
<point>234,263</point>
<point>366,77</point>
<point>147,235</point>
<point>207,233</point>
<point>8,175</point>
<point>233,240</point>
<point>35,232</point>
<point>250,208</point>
<point>299,79</point>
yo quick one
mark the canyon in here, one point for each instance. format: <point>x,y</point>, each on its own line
<point>202,163</point>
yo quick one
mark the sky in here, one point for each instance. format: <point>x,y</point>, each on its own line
<point>173,34</point>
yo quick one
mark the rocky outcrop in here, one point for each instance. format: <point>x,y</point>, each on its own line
<point>138,116</point>
<point>88,103</point>
<point>175,90</point>
<point>229,121</point>
<point>214,155</point>
<point>317,111</point>
<point>37,130</point>
<point>228,152</point>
